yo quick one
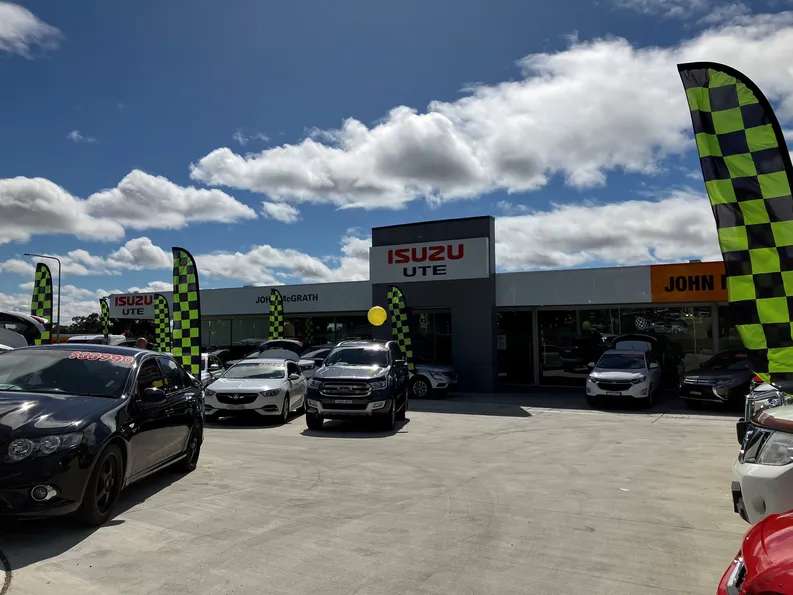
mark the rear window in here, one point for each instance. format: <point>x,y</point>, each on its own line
<point>70,372</point>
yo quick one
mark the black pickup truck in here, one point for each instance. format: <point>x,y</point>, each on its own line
<point>359,379</point>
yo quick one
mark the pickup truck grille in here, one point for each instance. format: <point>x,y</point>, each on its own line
<point>345,389</point>
<point>236,398</point>
<point>614,386</point>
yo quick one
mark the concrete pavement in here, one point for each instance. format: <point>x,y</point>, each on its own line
<point>466,497</point>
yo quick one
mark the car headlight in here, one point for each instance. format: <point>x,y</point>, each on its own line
<point>317,384</point>
<point>438,375</point>
<point>380,384</point>
<point>22,448</point>
<point>591,379</point>
<point>639,380</point>
<point>777,450</point>
<point>273,392</point>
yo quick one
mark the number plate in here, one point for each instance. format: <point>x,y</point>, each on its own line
<point>613,394</point>
<point>344,401</point>
<point>695,392</point>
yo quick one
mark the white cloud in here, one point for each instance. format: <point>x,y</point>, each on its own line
<point>143,201</point>
<point>681,9</point>
<point>280,211</point>
<point>31,206</point>
<point>673,229</point>
<point>152,286</point>
<point>21,31</point>
<point>580,113</point>
<point>78,137</point>
<point>36,206</point>
<point>136,254</point>
<point>242,138</point>
<point>266,265</point>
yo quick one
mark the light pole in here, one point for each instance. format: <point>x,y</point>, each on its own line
<point>59,286</point>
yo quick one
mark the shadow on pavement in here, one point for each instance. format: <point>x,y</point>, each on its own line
<point>250,421</point>
<point>26,542</point>
<point>516,404</point>
<point>337,428</point>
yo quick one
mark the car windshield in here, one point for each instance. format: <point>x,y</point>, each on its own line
<point>71,372</point>
<point>621,361</point>
<point>255,371</point>
<point>728,361</point>
<point>358,356</point>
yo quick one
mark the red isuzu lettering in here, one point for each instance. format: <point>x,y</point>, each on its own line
<point>437,253</point>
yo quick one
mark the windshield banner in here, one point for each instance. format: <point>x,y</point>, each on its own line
<point>162,324</point>
<point>400,327</point>
<point>42,301</point>
<point>275,321</point>
<point>747,171</point>
<point>186,336</point>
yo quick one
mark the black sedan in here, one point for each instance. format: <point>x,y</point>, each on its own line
<point>724,378</point>
<point>80,423</point>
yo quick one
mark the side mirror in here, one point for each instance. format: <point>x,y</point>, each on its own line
<point>214,368</point>
<point>740,429</point>
<point>590,365</point>
<point>153,395</point>
<point>294,376</point>
<point>318,362</point>
<point>400,362</point>
<point>653,365</point>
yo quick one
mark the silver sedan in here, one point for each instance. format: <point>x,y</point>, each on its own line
<point>267,387</point>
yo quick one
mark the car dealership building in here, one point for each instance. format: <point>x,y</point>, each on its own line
<point>499,330</point>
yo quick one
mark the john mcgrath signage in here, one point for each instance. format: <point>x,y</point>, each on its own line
<point>431,261</point>
<point>692,282</point>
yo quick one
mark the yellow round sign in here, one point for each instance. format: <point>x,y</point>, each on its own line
<point>376,315</point>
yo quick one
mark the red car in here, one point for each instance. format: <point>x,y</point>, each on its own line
<point>764,566</point>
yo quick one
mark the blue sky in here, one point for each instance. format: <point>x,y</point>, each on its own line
<point>96,90</point>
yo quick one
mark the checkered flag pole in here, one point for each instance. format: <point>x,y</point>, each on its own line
<point>748,173</point>
<point>41,305</point>
<point>162,324</point>
<point>275,321</point>
<point>400,328</point>
<point>104,317</point>
<point>186,335</point>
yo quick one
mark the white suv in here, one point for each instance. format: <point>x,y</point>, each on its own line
<point>621,373</point>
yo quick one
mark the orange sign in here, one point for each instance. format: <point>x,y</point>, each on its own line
<point>691,282</point>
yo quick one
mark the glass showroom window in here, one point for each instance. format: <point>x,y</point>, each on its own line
<point>250,330</point>
<point>432,336</point>
<point>514,347</point>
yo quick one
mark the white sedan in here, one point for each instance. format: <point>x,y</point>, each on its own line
<point>267,387</point>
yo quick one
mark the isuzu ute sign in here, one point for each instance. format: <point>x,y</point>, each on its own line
<point>430,261</point>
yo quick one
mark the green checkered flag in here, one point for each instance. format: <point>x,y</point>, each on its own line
<point>186,336</point>
<point>276,315</point>
<point>162,324</point>
<point>400,328</point>
<point>104,317</point>
<point>41,305</point>
<point>747,171</point>
<point>308,335</point>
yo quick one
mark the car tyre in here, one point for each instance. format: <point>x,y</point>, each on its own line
<point>402,413</point>
<point>388,421</point>
<point>420,387</point>
<point>190,461</point>
<point>103,488</point>
<point>314,422</point>
<point>285,410</point>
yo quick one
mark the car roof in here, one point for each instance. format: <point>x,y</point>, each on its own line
<point>364,343</point>
<point>263,360</point>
